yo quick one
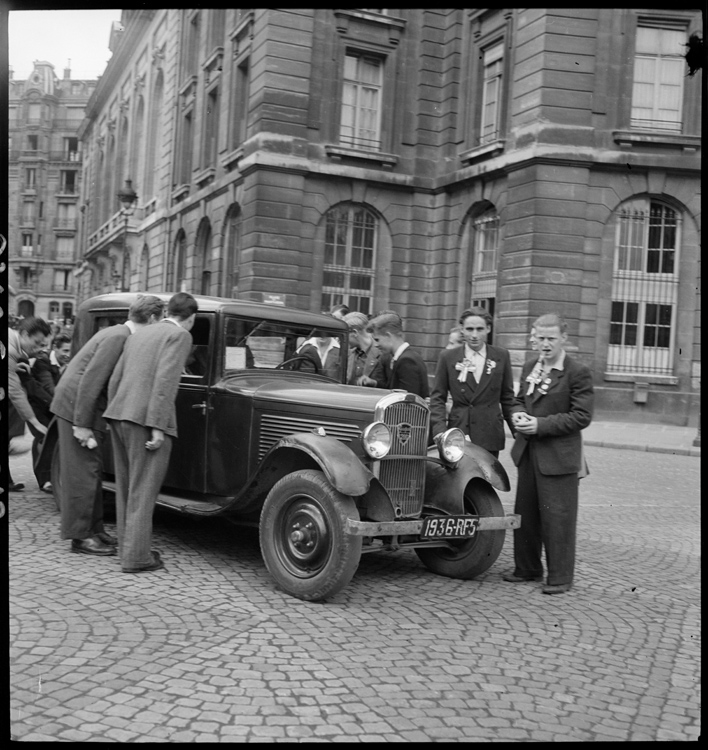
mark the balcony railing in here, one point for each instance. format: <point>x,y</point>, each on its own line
<point>27,251</point>
<point>71,156</point>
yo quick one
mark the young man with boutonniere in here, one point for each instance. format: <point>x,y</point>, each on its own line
<point>554,403</point>
<point>479,380</point>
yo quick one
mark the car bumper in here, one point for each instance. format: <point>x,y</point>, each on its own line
<point>400,528</point>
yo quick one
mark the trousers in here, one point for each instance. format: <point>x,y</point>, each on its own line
<point>78,485</point>
<point>139,476</point>
<point>548,505</point>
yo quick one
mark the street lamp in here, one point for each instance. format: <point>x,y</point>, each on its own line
<point>128,199</point>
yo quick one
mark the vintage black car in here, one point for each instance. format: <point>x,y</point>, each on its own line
<point>326,470</point>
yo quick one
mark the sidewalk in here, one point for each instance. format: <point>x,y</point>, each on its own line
<point>635,436</point>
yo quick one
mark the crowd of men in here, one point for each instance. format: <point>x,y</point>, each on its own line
<point>126,377</point>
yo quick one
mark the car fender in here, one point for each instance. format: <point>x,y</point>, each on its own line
<point>445,485</point>
<point>342,467</point>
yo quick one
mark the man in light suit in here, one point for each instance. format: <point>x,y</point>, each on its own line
<point>478,377</point>
<point>554,403</point>
<point>79,400</point>
<point>399,365</point>
<point>142,415</point>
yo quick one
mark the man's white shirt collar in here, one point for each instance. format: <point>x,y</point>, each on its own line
<point>53,358</point>
<point>400,350</point>
<point>131,326</point>
<point>470,353</point>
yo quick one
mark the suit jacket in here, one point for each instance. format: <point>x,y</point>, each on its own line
<point>478,409</point>
<point>562,412</point>
<point>408,373</point>
<point>143,387</point>
<point>41,385</point>
<point>80,396</point>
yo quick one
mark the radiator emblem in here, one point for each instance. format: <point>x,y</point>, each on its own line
<point>404,432</point>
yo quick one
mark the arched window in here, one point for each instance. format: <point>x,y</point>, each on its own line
<point>483,243</point>
<point>144,269</point>
<point>67,311</point>
<point>125,280</point>
<point>178,280</point>
<point>232,249</point>
<point>202,258</point>
<point>53,310</point>
<point>645,285</point>
<point>154,137</point>
<point>350,248</point>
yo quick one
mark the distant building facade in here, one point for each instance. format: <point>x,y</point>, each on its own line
<point>527,160</point>
<point>44,177</point>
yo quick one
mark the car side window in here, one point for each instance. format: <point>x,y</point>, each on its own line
<point>197,366</point>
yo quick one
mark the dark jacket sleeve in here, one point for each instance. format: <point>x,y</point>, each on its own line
<point>44,377</point>
<point>438,397</point>
<point>579,416</point>
<point>380,373</point>
<point>412,375</point>
<point>506,397</point>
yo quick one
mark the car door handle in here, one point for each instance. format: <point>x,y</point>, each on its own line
<point>203,406</point>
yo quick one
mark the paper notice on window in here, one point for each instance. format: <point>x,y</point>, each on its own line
<point>235,358</point>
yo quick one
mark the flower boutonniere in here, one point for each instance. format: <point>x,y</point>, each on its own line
<point>465,367</point>
<point>491,364</point>
<point>534,378</point>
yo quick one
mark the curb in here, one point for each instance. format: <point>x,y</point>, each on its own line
<point>696,452</point>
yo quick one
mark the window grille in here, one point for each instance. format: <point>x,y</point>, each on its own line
<point>659,70</point>
<point>361,103</point>
<point>644,290</point>
<point>484,248</point>
<point>351,238</point>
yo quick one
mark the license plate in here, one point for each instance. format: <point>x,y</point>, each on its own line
<point>449,527</point>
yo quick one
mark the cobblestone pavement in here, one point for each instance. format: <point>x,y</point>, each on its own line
<point>210,651</point>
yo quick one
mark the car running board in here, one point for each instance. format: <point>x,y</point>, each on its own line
<point>204,507</point>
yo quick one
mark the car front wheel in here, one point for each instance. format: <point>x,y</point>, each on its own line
<point>303,539</point>
<point>471,557</point>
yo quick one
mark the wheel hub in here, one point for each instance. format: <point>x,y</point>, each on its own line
<point>305,540</point>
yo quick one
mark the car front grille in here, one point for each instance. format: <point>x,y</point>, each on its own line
<point>404,478</point>
<point>276,426</point>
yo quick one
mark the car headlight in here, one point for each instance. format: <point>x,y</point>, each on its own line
<point>452,445</point>
<point>377,440</point>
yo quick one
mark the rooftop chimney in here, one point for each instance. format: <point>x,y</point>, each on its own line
<point>67,70</point>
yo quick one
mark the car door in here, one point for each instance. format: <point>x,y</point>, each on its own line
<point>188,461</point>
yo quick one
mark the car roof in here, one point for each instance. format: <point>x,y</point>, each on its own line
<point>123,300</point>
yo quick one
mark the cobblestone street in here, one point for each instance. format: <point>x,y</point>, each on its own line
<point>209,650</point>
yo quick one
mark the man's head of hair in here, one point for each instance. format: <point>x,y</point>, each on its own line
<point>181,306</point>
<point>144,307</point>
<point>33,326</point>
<point>61,339</point>
<point>479,312</point>
<point>356,320</point>
<point>549,320</point>
<point>387,321</point>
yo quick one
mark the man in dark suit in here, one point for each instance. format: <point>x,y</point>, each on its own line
<point>143,419</point>
<point>554,403</point>
<point>41,382</point>
<point>79,400</point>
<point>399,365</point>
<point>478,377</point>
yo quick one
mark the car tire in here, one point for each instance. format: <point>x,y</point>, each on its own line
<point>471,557</point>
<point>303,539</point>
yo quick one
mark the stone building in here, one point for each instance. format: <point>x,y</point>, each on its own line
<point>528,160</point>
<point>44,176</point>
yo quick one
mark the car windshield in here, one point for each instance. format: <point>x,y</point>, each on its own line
<point>252,344</point>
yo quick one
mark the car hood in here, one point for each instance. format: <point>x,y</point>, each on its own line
<point>306,392</point>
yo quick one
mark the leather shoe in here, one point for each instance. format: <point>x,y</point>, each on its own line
<point>92,546</point>
<point>513,578</point>
<point>16,487</point>
<point>558,588</point>
<point>106,538</point>
<point>157,565</point>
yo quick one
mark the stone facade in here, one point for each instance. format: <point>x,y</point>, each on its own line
<point>44,179</point>
<point>418,160</point>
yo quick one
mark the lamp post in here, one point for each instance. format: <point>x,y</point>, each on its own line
<point>128,199</point>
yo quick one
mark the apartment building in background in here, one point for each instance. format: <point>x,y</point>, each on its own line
<point>44,176</point>
<point>424,160</point>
